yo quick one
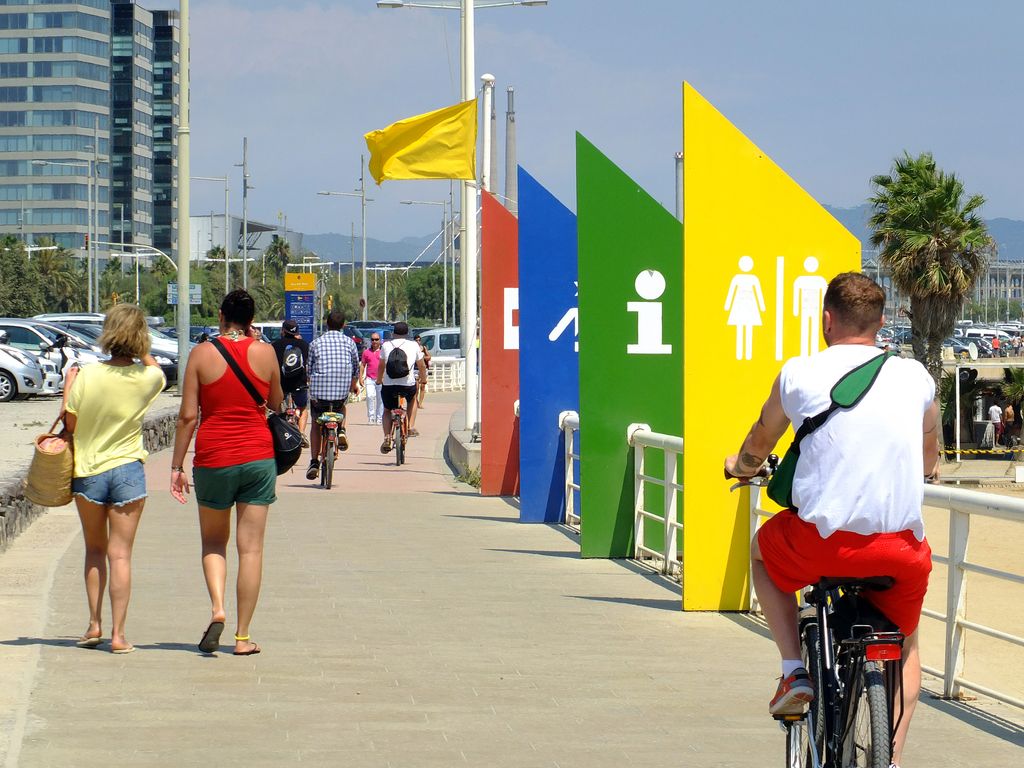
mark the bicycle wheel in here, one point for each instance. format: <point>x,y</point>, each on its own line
<point>329,466</point>
<point>399,448</point>
<point>811,751</point>
<point>868,742</point>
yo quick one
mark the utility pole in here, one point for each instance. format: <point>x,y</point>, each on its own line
<point>362,196</point>
<point>511,172</point>
<point>184,193</point>
<point>352,254</point>
<point>245,211</point>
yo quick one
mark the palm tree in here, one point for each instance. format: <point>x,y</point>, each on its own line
<point>278,254</point>
<point>934,244</point>
<point>62,289</point>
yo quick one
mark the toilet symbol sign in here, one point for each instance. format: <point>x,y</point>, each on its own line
<point>650,286</point>
<point>803,299</point>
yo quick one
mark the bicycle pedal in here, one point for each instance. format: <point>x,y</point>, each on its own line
<point>783,719</point>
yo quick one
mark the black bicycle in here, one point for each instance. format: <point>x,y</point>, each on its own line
<point>853,654</point>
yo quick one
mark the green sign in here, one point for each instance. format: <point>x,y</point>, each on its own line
<point>631,336</point>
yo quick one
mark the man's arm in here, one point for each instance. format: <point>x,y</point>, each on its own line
<point>354,356</point>
<point>769,428</point>
<point>931,441</point>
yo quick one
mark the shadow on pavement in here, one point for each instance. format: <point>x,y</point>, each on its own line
<point>641,602</point>
<point>486,518</point>
<point>57,642</point>
<point>542,552</point>
<point>991,724</point>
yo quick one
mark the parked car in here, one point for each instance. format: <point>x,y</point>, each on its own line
<point>442,342</point>
<point>20,373</point>
<point>961,348</point>
<point>91,332</point>
<point>159,342</point>
<point>42,341</point>
<point>271,330</point>
<point>360,337</point>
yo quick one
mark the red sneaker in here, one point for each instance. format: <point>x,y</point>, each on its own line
<point>794,693</point>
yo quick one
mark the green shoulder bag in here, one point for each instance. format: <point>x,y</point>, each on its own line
<point>846,393</point>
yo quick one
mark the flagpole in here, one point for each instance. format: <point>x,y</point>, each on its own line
<point>467,230</point>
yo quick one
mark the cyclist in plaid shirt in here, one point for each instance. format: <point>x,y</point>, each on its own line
<point>333,374</point>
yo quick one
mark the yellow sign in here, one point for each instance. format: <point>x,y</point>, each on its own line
<point>299,281</point>
<point>758,252</point>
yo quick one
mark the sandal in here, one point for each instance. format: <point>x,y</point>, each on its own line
<point>89,642</point>
<point>210,641</point>
<point>252,652</point>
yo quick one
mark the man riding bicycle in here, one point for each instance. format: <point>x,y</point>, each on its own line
<point>857,489</point>
<point>292,355</point>
<point>333,374</point>
<point>398,359</point>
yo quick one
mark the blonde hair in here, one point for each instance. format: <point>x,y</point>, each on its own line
<point>125,333</point>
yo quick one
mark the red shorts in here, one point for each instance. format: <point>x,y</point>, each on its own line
<point>795,555</point>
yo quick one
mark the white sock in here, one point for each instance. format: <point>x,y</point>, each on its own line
<point>789,666</point>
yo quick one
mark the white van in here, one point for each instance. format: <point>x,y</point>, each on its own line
<point>442,342</point>
<point>987,333</point>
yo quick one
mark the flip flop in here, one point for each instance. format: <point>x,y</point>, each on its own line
<point>129,649</point>
<point>253,652</point>
<point>211,637</point>
<point>89,642</point>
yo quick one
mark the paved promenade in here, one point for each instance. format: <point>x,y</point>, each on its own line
<point>405,622</point>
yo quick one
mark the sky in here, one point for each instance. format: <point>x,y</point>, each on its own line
<point>832,91</point>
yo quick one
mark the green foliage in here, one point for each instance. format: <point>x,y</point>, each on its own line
<point>934,244</point>
<point>426,291</point>
<point>21,294</point>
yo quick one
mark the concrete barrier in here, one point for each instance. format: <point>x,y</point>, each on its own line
<point>17,512</point>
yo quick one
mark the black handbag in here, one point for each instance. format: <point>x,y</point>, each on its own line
<point>286,436</point>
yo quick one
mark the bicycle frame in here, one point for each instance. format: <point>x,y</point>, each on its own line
<point>841,663</point>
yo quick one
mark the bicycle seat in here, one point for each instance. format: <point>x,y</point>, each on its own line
<point>876,583</point>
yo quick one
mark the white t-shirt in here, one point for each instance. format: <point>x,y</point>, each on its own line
<point>862,470</point>
<point>413,354</point>
<point>995,414</point>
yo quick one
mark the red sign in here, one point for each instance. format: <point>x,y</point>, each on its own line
<point>499,350</point>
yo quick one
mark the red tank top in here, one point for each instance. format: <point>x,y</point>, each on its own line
<point>233,429</point>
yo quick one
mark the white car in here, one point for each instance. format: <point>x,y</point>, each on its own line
<point>20,373</point>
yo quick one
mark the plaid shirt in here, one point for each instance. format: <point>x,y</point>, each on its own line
<point>333,363</point>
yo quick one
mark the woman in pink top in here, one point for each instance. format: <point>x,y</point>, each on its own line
<point>368,378</point>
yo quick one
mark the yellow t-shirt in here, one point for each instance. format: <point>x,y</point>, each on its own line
<point>110,402</point>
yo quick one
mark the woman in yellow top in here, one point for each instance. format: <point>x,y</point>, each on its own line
<point>104,413</point>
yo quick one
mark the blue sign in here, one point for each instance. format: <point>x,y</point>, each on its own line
<point>548,347</point>
<point>298,306</point>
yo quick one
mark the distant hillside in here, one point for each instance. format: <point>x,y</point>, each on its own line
<point>332,246</point>
<point>1008,233</point>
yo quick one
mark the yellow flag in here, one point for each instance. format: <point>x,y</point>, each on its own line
<point>436,145</point>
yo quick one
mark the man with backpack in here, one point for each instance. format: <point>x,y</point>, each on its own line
<point>333,375</point>
<point>292,356</point>
<point>399,357</point>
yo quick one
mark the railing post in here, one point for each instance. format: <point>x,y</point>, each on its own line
<point>670,506</point>
<point>956,602</point>
<point>638,487</point>
<point>755,520</point>
<point>570,495</point>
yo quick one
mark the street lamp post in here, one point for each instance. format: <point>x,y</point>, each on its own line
<point>227,216</point>
<point>444,246</point>
<point>363,200</point>
<point>184,190</point>
<point>246,186</point>
<point>468,201</point>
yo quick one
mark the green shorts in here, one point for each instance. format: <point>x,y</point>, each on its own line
<point>249,483</point>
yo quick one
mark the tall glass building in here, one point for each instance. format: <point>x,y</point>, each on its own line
<point>166,60</point>
<point>89,91</point>
<point>54,117</point>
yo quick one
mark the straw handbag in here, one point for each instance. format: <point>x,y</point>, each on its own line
<point>49,477</point>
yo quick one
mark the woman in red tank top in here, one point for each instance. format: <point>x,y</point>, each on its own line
<point>234,460</point>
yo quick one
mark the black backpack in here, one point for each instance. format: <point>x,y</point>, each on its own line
<point>293,363</point>
<point>397,365</point>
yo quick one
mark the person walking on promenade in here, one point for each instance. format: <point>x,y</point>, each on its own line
<point>421,381</point>
<point>104,412</point>
<point>398,359</point>
<point>844,521</point>
<point>292,357</point>
<point>333,374</point>
<point>234,461</point>
<point>368,378</point>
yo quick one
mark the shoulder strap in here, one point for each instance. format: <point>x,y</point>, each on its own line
<point>846,393</point>
<point>234,366</point>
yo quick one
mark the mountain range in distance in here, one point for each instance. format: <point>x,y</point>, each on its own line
<point>332,246</point>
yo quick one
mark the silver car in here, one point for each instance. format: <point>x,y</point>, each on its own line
<point>20,374</point>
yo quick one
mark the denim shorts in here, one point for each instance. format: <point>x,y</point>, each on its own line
<point>113,488</point>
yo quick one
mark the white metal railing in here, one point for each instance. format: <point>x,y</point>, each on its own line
<point>961,505</point>
<point>640,437</point>
<point>569,423</point>
<point>446,374</point>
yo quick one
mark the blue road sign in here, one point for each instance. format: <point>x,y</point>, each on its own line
<point>299,307</point>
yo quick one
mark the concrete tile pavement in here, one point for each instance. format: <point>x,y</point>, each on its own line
<point>400,627</point>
